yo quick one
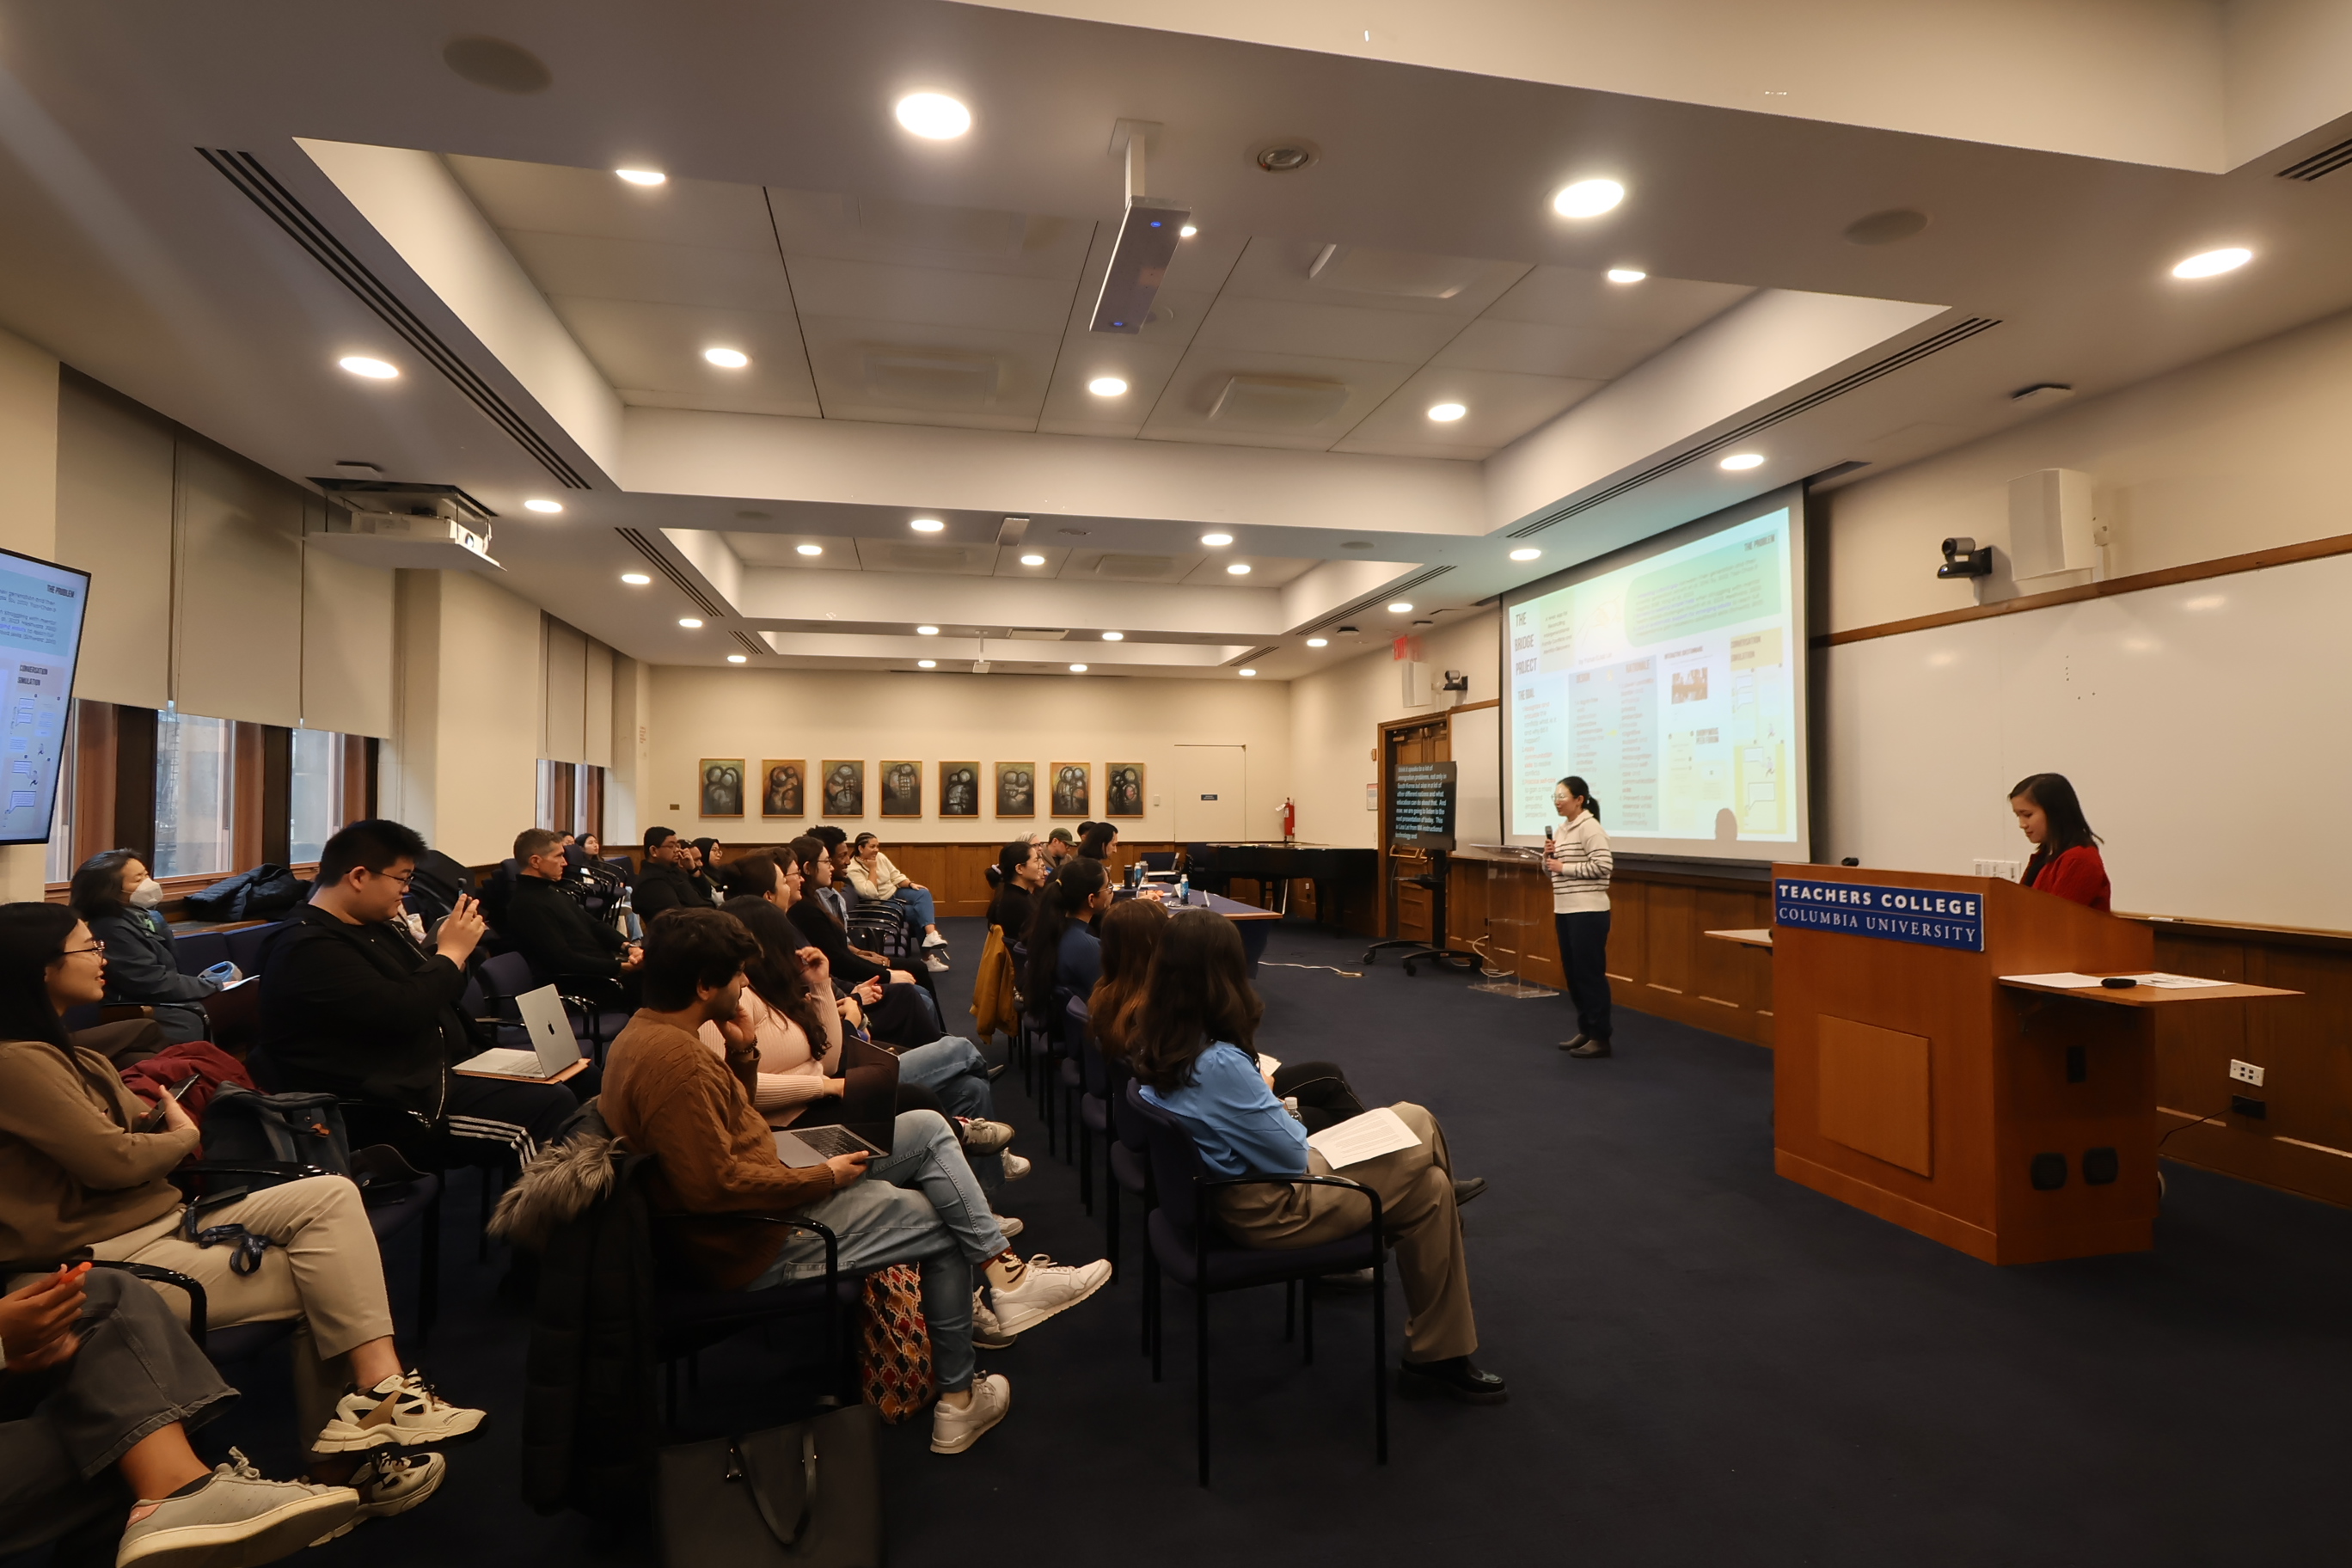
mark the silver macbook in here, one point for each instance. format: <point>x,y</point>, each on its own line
<point>553,1045</point>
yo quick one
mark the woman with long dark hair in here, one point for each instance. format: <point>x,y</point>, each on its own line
<point>898,1011</point>
<point>996,985</point>
<point>1193,1047</point>
<point>122,902</point>
<point>1578,860</point>
<point>1065,955</point>
<point>2067,859</point>
<point>1096,838</point>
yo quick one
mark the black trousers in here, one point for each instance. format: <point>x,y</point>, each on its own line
<point>514,1116</point>
<point>1584,954</point>
<point>1323,1095</point>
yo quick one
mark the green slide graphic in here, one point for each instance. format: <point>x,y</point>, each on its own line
<point>1718,589</point>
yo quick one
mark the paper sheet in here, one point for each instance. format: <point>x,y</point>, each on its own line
<point>2067,982</point>
<point>2158,979</point>
<point>1363,1138</point>
<point>1270,1066</point>
<point>2180,982</point>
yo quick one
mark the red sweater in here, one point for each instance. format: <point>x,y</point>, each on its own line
<point>2078,874</point>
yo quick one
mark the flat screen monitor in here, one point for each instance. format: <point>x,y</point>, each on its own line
<point>41,605</point>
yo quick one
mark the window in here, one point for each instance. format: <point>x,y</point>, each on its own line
<point>194,795</point>
<point>61,856</point>
<point>314,794</point>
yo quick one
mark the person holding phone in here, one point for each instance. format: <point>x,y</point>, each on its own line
<point>1578,860</point>
<point>2066,860</point>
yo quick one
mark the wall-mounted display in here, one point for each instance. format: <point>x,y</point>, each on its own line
<point>1122,789</point>
<point>1074,792</point>
<point>958,789</point>
<point>902,788</point>
<point>722,786</point>
<point>1016,789</point>
<point>845,789</point>
<point>783,787</point>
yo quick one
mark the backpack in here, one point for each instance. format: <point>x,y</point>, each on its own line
<point>434,891</point>
<point>244,1127</point>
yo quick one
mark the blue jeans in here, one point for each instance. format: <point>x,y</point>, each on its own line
<point>918,903</point>
<point>953,1068</point>
<point>921,1205</point>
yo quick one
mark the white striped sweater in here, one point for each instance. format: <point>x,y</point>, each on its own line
<point>1582,865</point>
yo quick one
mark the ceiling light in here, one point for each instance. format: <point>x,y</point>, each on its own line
<point>1033,561</point>
<point>728,359</point>
<point>1188,231</point>
<point>1588,198</point>
<point>1114,637</point>
<point>373,369</point>
<point>2210,264</point>
<point>926,525</point>
<point>1238,569</point>
<point>1626,275</point>
<point>927,631</point>
<point>1107,387</point>
<point>1078,669</point>
<point>642,176</point>
<point>934,116</point>
<point>549,506</point>
<point>1447,413</point>
<point>927,664</point>
<point>1249,672</point>
<point>1525,555</point>
<point>1318,642</point>
<point>636,579</point>
<point>809,549</point>
<point>1213,540</point>
<point>735,659</point>
<point>1401,608</point>
<point>690,622</point>
<point>1739,462</point>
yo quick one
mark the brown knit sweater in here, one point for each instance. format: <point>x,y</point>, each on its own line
<point>668,1096</point>
<point>71,1171</point>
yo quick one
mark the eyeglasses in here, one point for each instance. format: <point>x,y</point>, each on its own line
<point>95,946</point>
<point>395,877</point>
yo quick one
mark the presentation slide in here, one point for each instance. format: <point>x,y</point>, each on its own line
<point>1672,683</point>
<point>40,637</point>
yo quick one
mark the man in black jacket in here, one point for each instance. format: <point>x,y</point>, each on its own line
<point>663,882</point>
<point>351,1004</point>
<point>548,926</point>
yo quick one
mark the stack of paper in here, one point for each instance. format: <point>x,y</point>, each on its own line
<point>1363,1138</point>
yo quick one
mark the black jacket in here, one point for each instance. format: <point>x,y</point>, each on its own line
<point>662,886</point>
<point>546,925</point>
<point>363,1011</point>
<point>828,937</point>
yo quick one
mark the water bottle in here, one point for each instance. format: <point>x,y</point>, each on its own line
<point>1184,888</point>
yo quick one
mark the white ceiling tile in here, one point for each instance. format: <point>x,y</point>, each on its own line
<point>929,296</point>
<point>550,199</point>
<point>901,374</point>
<point>1499,409</point>
<point>1183,413</point>
<point>918,233</point>
<point>782,550</point>
<point>1329,331</point>
<point>1008,560</point>
<point>1658,309</point>
<point>1265,570</point>
<point>660,348</point>
<point>1539,348</point>
<point>1279,269</point>
<point>1143,360</point>
<point>918,555</point>
<point>641,269</point>
<point>721,403</point>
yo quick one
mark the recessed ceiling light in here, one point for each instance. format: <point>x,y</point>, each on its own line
<point>1318,642</point>
<point>636,579</point>
<point>1114,637</point>
<point>933,116</point>
<point>1078,669</point>
<point>1740,461</point>
<point>926,525</point>
<point>735,659</point>
<point>642,176</point>
<point>549,506</point>
<point>927,664</point>
<point>373,369</point>
<point>1188,231</point>
<point>1033,561</point>
<point>1249,672</point>
<point>1107,387</point>
<point>1238,569</point>
<point>727,359</point>
<point>809,549</point>
<point>1626,275</point>
<point>2208,264</point>
<point>1213,540</point>
<point>1401,608</point>
<point>1588,198</point>
<point>927,631</point>
<point>1525,555</point>
<point>690,622</point>
<point>1447,413</point>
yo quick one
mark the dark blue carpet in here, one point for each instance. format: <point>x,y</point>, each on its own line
<point>1707,1363</point>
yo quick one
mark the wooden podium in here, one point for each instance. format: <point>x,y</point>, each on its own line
<point>2017,1124</point>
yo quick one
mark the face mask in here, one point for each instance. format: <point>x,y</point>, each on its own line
<point>147,895</point>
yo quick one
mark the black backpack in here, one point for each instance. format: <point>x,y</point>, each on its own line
<point>439,881</point>
<point>242,1127</point>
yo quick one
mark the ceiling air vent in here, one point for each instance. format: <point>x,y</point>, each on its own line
<point>1140,568</point>
<point>2327,160</point>
<point>1034,634</point>
<point>939,557</point>
<point>932,378</point>
<point>1278,401</point>
<point>669,569</point>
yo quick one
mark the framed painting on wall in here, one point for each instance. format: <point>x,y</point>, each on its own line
<point>722,786</point>
<point>902,788</point>
<point>958,789</point>
<point>1074,792</point>
<point>1016,789</point>
<point>1122,789</point>
<point>783,787</point>
<point>845,789</point>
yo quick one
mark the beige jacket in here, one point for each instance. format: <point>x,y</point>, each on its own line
<point>880,882</point>
<point>71,1171</point>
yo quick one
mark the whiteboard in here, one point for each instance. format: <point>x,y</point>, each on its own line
<point>1476,738</point>
<point>2204,725</point>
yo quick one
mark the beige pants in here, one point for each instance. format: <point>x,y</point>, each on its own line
<point>324,1271</point>
<point>1416,1188</point>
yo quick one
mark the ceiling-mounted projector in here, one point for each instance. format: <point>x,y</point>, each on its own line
<point>1147,236</point>
<point>418,526</point>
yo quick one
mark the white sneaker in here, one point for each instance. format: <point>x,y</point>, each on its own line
<point>935,964</point>
<point>391,1482</point>
<point>987,1334</point>
<point>1010,1223</point>
<point>1045,1288</point>
<point>934,939</point>
<point>1015,1167</point>
<point>237,1518</point>
<point>982,1137</point>
<point>953,1430</point>
<point>402,1411</point>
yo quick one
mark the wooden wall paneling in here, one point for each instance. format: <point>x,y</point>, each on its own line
<point>249,771</point>
<point>276,790</point>
<point>2300,1044</point>
<point>1629,931</point>
<point>134,781</point>
<point>92,825</point>
<point>1670,927</point>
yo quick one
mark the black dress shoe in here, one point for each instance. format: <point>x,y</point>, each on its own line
<point>1465,1190</point>
<point>1572,1045</point>
<point>1591,1049</point>
<point>997,1071</point>
<point>1454,1377</point>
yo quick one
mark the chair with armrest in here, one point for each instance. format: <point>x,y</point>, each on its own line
<point>1130,1168</point>
<point>1084,1077</point>
<point>1184,1241</point>
<point>242,1342</point>
<point>244,945</point>
<point>199,951</point>
<point>688,1321</point>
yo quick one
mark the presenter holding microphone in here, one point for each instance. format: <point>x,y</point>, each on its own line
<point>2065,851</point>
<point>1578,860</point>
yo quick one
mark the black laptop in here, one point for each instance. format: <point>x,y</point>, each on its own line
<point>866,1116</point>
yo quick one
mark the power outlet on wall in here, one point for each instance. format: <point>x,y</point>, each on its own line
<point>2008,870</point>
<point>2246,1072</point>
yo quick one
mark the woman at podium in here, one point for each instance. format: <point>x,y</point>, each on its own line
<point>2065,851</point>
<point>1578,860</point>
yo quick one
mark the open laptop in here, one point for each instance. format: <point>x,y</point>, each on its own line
<point>868,1119</point>
<point>553,1045</point>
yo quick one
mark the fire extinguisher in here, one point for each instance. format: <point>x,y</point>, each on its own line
<point>1289,820</point>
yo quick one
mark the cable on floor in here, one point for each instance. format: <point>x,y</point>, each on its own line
<point>1343,973</point>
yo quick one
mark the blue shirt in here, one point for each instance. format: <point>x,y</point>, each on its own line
<point>1077,963</point>
<point>1240,1128</point>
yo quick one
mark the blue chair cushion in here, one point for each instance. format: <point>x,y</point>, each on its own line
<point>1234,1267</point>
<point>199,951</point>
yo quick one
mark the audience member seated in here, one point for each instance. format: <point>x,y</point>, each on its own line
<point>546,924</point>
<point>350,1004</point>
<point>872,876</point>
<point>79,1170</point>
<point>1096,838</point>
<point>114,893</point>
<point>996,987</point>
<point>1064,957</point>
<point>671,1098</point>
<point>903,1012</point>
<point>99,1389</point>
<point>1059,846</point>
<point>662,881</point>
<point>703,870</point>
<point>1021,868</point>
<point>1192,1044</point>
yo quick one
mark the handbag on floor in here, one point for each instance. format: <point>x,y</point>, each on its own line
<point>894,1344</point>
<point>807,1495</point>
